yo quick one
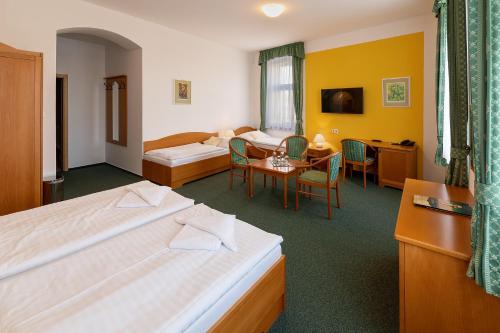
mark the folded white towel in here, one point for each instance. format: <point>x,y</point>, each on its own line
<point>152,194</point>
<point>190,238</point>
<point>220,225</point>
<point>132,200</point>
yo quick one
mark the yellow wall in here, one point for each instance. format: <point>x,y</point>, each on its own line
<point>365,65</point>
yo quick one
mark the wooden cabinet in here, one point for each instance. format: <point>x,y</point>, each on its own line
<point>20,129</point>
<point>434,253</point>
<point>395,165</point>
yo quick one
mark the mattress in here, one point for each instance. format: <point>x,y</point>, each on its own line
<point>133,282</point>
<point>190,154</point>
<point>34,237</point>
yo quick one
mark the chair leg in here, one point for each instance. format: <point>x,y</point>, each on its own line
<point>244,176</point>
<point>343,168</point>
<point>337,192</point>
<point>328,197</point>
<point>364,176</point>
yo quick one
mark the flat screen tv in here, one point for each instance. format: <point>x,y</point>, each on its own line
<point>344,100</point>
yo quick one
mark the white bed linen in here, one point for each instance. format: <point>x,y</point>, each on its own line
<point>183,151</point>
<point>186,160</point>
<point>216,311</point>
<point>37,236</point>
<point>270,143</point>
<point>130,283</point>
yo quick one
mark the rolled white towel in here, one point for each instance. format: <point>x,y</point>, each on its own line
<point>220,225</point>
<point>151,193</point>
<point>132,200</point>
<point>190,238</point>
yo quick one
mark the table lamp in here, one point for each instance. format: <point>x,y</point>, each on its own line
<point>319,139</point>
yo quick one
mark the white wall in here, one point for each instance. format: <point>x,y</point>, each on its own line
<point>84,64</point>
<point>426,24</point>
<point>219,74</point>
<point>124,62</point>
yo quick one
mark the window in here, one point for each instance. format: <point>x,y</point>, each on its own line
<point>280,111</point>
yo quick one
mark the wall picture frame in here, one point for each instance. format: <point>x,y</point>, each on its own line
<point>396,92</point>
<point>182,92</point>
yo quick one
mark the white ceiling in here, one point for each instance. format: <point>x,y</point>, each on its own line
<point>240,23</point>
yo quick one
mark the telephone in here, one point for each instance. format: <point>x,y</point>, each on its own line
<point>407,143</point>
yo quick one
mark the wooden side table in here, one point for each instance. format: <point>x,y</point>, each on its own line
<point>315,152</point>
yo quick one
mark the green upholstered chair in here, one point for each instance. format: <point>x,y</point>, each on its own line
<point>320,179</point>
<point>295,147</point>
<point>240,160</point>
<point>354,153</point>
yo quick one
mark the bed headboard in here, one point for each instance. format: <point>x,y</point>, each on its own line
<point>177,140</point>
<point>244,129</point>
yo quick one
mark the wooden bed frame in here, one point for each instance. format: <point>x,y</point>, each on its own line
<point>259,307</point>
<point>177,176</point>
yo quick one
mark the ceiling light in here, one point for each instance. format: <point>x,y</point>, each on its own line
<point>273,9</point>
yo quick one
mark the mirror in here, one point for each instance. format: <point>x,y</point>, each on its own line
<point>116,103</point>
<point>116,110</point>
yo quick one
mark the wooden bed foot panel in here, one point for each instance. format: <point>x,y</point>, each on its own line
<point>259,307</point>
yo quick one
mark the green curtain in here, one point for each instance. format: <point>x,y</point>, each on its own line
<point>441,10</point>
<point>484,75</point>
<point>296,50</point>
<point>458,168</point>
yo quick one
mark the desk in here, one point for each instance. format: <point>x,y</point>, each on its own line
<point>265,166</point>
<point>435,295</point>
<point>395,163</point>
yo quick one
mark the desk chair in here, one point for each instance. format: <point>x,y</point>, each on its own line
<point>354,153</point>
<point>240,160</point>
<point>321,179</point>
<point>295,148</point>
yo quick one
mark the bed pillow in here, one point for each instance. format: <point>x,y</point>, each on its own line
<point>259,135</point>
<point>223,142</point>
<point>228,133</point>
<point>213,141</point>
<point>247,136</point>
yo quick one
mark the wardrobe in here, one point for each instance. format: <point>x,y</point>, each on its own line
<point>20,129</point>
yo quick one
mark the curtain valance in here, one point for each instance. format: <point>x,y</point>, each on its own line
<point>295,50</point>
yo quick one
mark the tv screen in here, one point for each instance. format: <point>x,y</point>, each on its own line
<point>344,100</point>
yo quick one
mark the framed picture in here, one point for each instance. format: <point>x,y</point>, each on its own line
<point>182,92</point>
<point>396,92</point>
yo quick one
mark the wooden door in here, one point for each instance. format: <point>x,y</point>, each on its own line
<point>20,129</point>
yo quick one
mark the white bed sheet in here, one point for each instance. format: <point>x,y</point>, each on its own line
<point>132,282</point>
<point>216,311</point>
<point>184,154</point>
<point>270,143</point>
<point>37,236</point>
<point>186,160</point>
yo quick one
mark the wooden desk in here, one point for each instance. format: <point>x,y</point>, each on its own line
<point>434,253</point>
<point>395,163</point>
<point>265,166</point>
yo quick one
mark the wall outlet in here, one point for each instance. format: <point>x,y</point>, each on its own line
<point>335,131</point>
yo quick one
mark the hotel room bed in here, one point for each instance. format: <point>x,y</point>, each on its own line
<point>260,140</point>
<point>133,282</point>
<point>182,169</point>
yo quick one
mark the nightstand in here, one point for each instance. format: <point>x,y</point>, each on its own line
<point>316,152</point>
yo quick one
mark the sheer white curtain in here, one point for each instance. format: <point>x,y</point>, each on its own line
<point>280,112</point>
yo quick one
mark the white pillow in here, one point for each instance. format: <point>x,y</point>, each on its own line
<point>259,135</point>
<point>228,133</point>
<point>248,136</point>
<point>213,141</point>
<point>223,143</point>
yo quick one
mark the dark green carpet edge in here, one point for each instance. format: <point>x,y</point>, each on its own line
<point>342,274</point>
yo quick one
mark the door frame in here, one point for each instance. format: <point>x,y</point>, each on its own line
<point>64,77</point>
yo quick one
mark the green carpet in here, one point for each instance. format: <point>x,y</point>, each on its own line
<point>342,275</point>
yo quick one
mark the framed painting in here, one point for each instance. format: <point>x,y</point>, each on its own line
<point>182,92</point>
<point>396,92</point>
